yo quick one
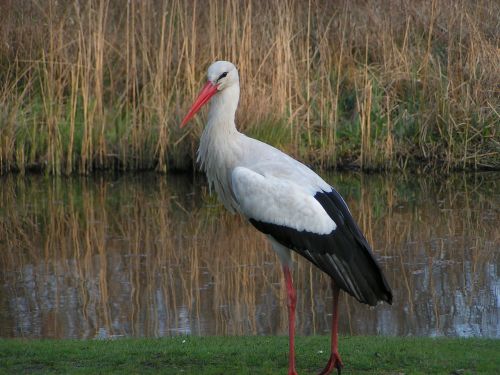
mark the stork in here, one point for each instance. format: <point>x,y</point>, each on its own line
<point>281,197</point>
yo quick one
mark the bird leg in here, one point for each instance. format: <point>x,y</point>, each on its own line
<point>292,298</point>
<point>334,361</point>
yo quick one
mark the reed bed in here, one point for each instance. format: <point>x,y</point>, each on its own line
<point>102,84</point>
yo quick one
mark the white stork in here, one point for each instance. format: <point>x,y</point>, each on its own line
<point>288,202</point>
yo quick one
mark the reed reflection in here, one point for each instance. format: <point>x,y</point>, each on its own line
<point>149,255</point>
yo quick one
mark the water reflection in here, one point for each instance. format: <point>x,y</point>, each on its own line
<point>149,255</point>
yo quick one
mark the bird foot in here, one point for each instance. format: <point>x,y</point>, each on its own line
<point>333,362</point>
<point>292,372</point>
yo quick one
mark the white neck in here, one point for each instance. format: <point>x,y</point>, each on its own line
<point>219,152</point>
<point>223,108</point>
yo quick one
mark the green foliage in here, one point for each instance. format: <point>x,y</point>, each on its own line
<point>271,131</point>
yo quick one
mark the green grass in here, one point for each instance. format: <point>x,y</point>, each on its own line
<point>249,355</point>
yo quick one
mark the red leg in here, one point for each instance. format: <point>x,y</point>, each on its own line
<point>334,361</point>
<point>292,298</point>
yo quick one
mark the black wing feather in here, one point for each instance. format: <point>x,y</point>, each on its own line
<point>344,254</point>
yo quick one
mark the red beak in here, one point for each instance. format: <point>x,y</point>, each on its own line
<point>204,96</point>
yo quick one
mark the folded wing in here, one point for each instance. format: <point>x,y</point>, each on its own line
<point>316,224</point>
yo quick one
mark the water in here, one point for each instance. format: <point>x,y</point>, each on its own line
<point>150,255</point>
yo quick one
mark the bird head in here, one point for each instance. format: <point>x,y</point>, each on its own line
<point>221,75</point>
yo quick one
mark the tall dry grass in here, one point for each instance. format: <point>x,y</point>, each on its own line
<point>102,84</point>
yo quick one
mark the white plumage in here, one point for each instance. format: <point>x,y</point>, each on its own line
<point>277,200</point>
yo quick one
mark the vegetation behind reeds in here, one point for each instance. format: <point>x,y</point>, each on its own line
<point>103,84</point>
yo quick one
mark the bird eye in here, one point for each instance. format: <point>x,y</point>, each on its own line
<point>221,76</point>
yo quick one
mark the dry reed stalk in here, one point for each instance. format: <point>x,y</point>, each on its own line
<point>98,46</point>
<point>389,140</point>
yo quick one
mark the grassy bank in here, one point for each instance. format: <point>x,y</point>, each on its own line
<point>102,84</point>
<point>249,355</point>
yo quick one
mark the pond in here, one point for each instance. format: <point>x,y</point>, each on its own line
<point>156,255</point>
